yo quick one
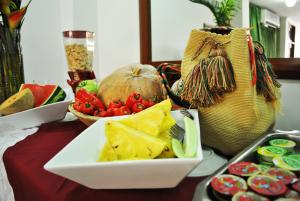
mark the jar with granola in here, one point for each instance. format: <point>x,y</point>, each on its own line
<point>79,49</point>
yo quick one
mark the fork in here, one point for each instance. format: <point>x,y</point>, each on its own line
<point>176,131</point>
<point>186,113</point>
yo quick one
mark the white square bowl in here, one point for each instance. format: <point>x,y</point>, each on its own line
<point>35,116</point>
<point>77,162</point>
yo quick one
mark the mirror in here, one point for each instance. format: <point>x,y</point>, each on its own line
<point>165,27</point>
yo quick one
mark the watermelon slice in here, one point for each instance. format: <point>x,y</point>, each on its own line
<point>45,94</point>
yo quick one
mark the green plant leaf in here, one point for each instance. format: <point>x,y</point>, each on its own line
<point>223,11</point>
<point>226,11</point>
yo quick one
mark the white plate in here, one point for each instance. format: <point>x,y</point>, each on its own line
<point>77,162</point>
<point>35,116</point>
<point>211,162</point>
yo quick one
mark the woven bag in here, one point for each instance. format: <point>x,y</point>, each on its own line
<point>243,115</point>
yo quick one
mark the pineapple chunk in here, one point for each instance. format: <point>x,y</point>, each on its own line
<point>165,106</point>
<point>107,153</point>
<point>147,121</point>
<point>129,143</point>
<point>153,120</point>
<point>168,150</point>
<point>168,122</point>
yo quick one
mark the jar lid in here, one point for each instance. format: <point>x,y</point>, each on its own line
<point>228,184</point>
<point>244,168</point>
<point>283,175</point>
<point>271,151</point>
<point>78,34</point>
<point>296,186</point>
<point>287,163</point>
<point>264,167</point>
<point>266,185</point>
<point>242,196</point>
<point>282,143</point>
<point>295,156</point>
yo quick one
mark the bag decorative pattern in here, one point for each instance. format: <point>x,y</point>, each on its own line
<point>211,77</point>
<point>236,108</point>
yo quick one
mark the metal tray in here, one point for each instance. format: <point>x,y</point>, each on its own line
<point>203,190</point>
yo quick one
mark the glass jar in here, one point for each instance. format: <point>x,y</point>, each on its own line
<point>79,49</point>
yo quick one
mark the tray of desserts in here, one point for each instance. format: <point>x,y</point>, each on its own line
<point>268,169</point>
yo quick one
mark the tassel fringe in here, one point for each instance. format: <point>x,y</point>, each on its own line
<point>266,79</point>
<point>220,72</point>
<point>196,89</point>
<point>210,78</point>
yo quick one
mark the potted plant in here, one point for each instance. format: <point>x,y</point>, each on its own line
<point>223,12</point>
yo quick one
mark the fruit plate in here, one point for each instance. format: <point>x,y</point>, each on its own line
<point>35,116</point>
<point>78,162</point>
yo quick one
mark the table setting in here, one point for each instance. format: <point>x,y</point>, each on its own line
<point>144,132</point>
<point>76,117</point>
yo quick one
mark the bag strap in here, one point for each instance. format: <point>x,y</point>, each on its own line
<point>170,73</point>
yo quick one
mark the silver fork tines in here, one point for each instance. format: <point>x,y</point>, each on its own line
<point>177,132</point>
<point>186,113</point>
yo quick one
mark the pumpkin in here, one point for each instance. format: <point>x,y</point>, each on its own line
<point>142,79</point>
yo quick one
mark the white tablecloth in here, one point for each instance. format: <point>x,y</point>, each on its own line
<point>7,139</point>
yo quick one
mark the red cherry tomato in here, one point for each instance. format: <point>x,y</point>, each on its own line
<point>115,104</point>
<point>97,103</point>
<point>92,99</point>
<point>84,96</point>
<point>137,107</point>
<point>105,114</point>
<point>148,103</point>
<point>77,105</point>
<point>97,112</point>
<point>132,99</point>
<point>88,108</point>
<point>124,110</point>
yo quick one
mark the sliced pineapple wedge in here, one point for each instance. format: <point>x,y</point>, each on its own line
<point>129,143</point>
<point>165,106</point>
<point>168,122</point>
<point>148,121</point>
<point>108,153</point>
<point>168,150</point>
<point>153,120</point>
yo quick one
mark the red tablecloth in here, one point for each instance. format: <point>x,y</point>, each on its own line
<point>30,182</point>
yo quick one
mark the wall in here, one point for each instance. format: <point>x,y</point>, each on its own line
<point>43,54</point>
<point>171,27</point>
<point>283,37</point>
<point>289,118</point>
<point>241,18</point>
<point>116,29</point>
<point>85,17</point>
